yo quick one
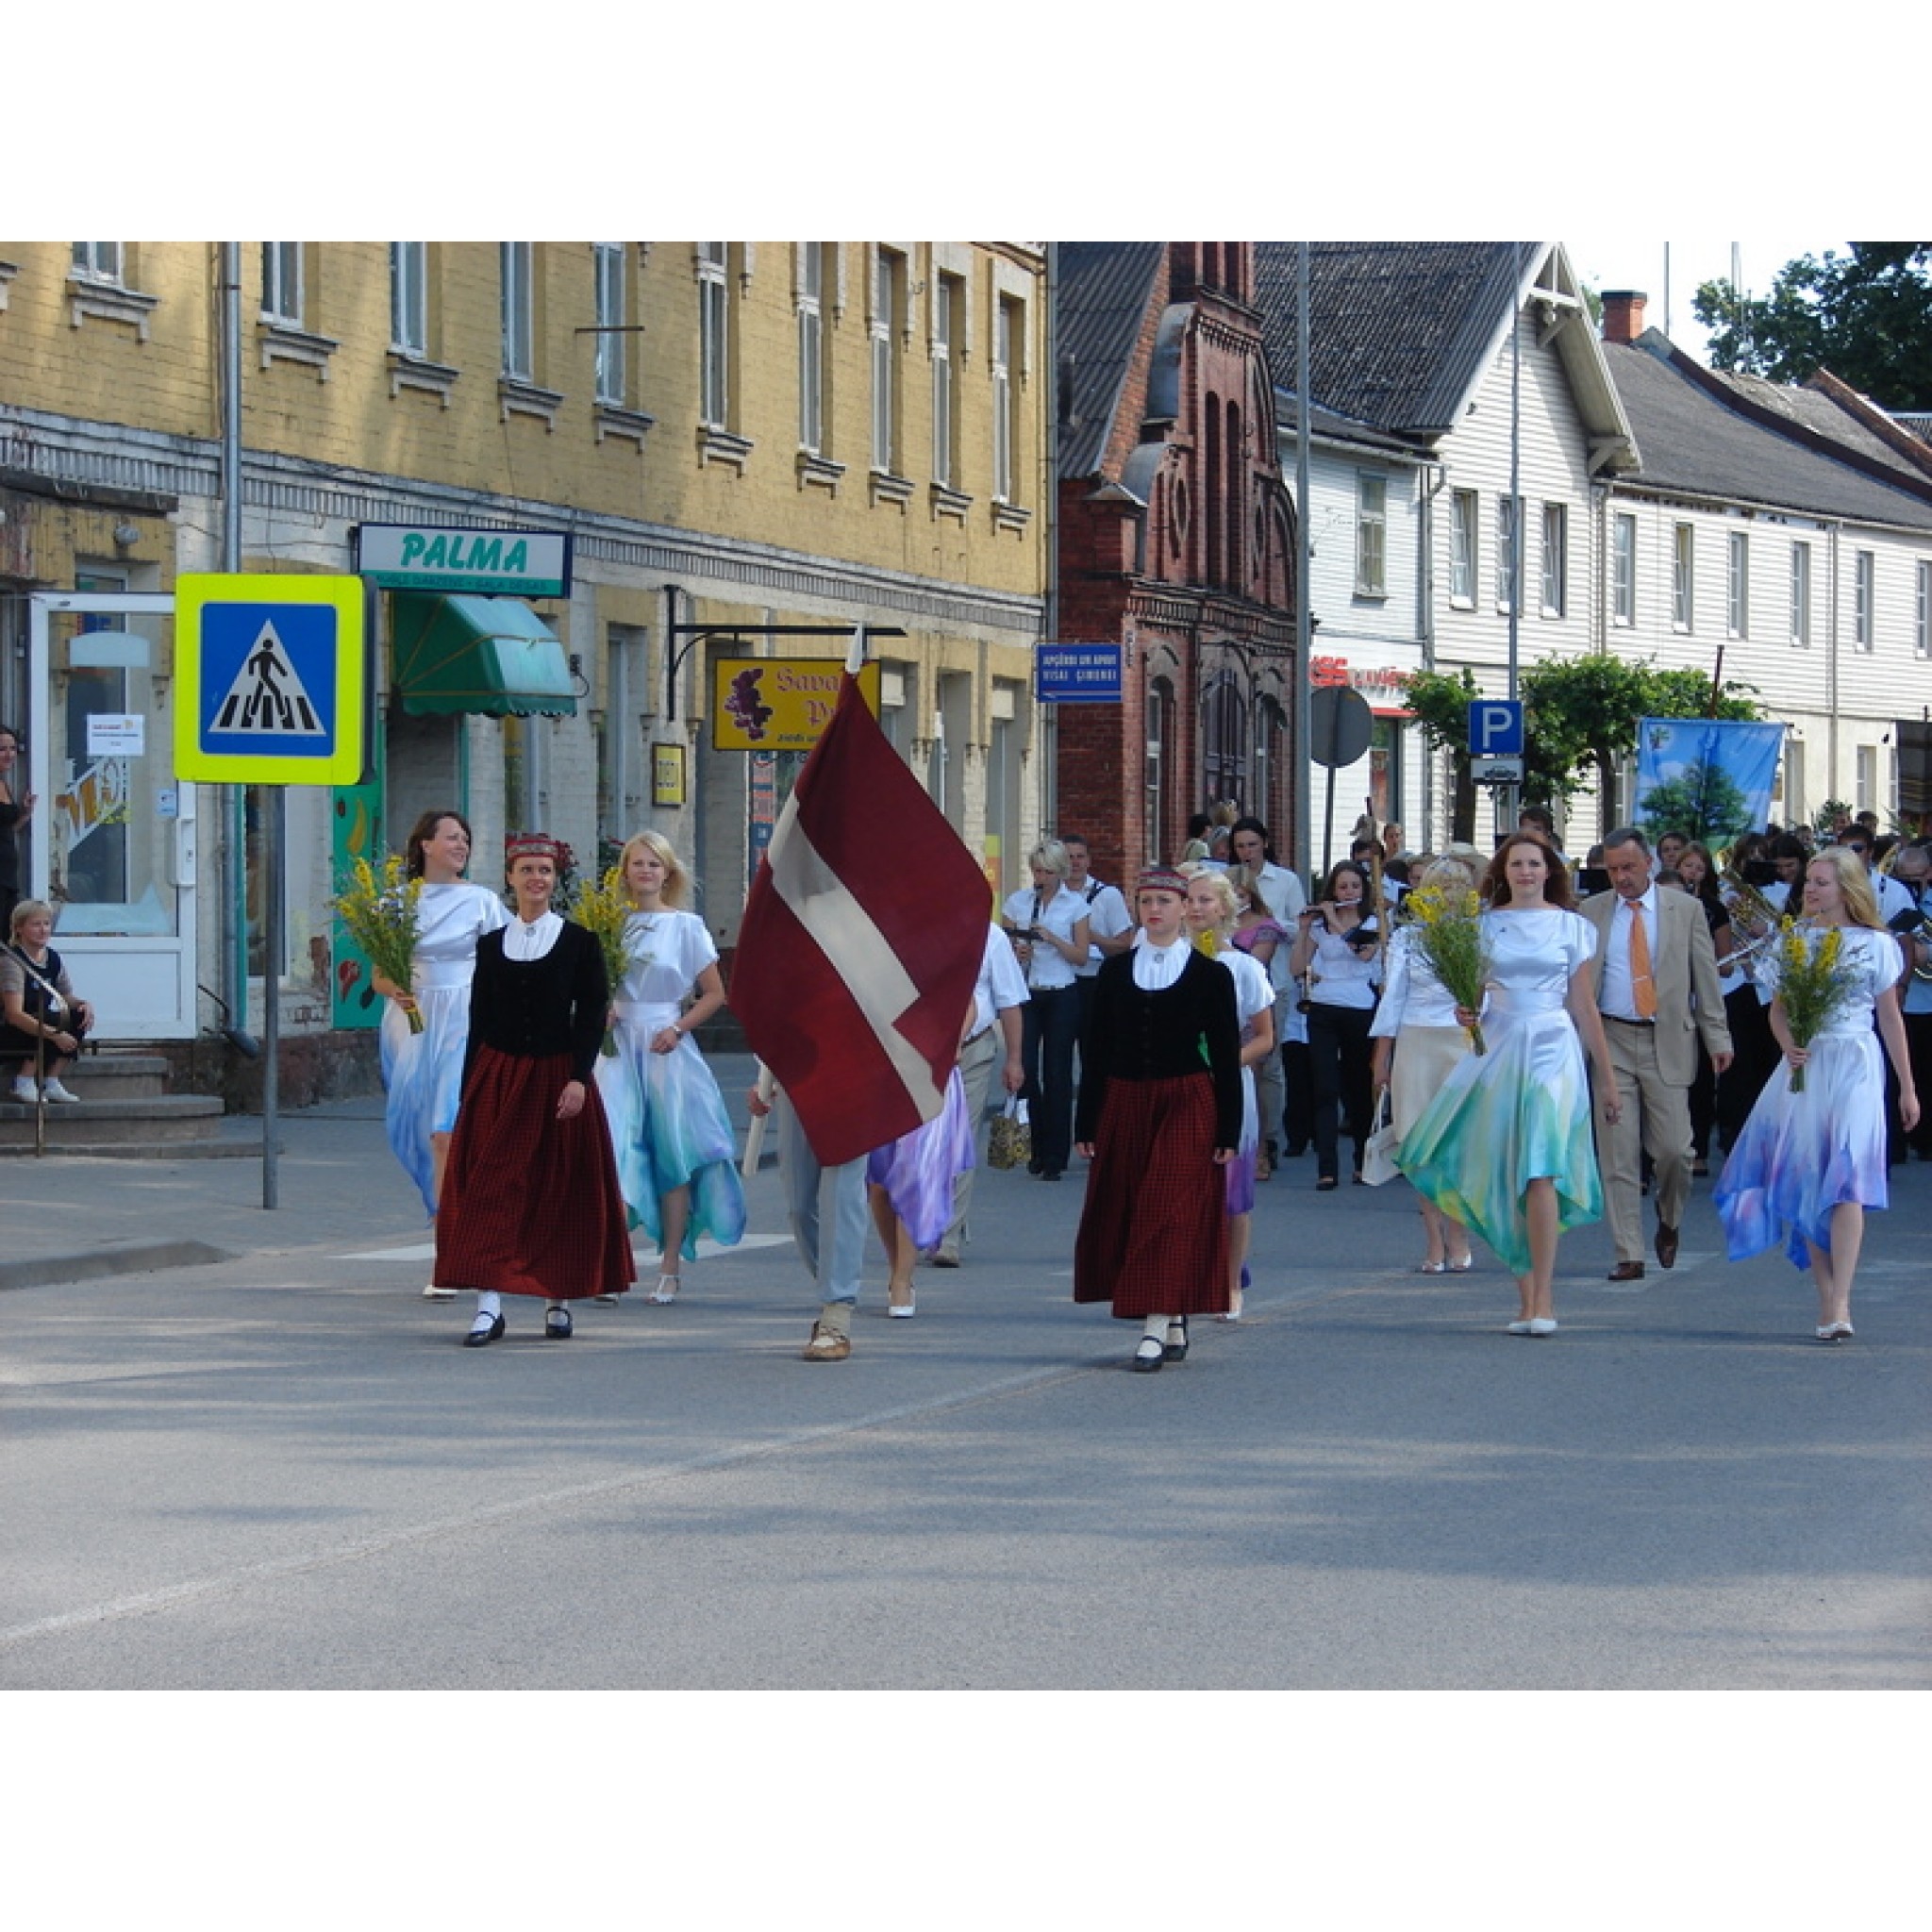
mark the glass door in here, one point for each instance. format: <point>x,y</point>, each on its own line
<point>113,841</point>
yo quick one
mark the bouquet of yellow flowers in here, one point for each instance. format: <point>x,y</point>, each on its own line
<point>604,910</point>
<point>1814,982</point>
<point>380,910</point>
<point>1447,924</point>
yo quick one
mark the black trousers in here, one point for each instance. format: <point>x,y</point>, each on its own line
<point>1342,1056</point>
<point>1049,1030</point>
<point>1919,1052</point>
<point>1753,1057</point>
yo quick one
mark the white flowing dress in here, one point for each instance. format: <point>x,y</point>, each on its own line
<point>668,1120</point>
<point>424,1072</point>
<point>1801,1154</point>
<point>1520,1112</point>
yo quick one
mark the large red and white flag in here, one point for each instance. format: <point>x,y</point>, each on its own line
<point>860,942</point>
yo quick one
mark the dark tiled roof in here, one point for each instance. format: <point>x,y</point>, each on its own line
<point>1810,408</point>
<point>1329,426</point>
<point>1100,301</point>
<point>1398,329</point>
<point>1691,440</point>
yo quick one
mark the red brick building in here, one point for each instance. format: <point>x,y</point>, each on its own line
<point>1175,538</point>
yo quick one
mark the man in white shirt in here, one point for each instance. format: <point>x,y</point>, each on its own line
<point>1912,869</point>
<point>1110,926</point>
<point>1893,897</point>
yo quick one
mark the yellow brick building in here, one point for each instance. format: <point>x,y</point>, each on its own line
<point>736,443</point>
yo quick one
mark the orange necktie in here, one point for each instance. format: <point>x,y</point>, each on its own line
<point>1643,987</point>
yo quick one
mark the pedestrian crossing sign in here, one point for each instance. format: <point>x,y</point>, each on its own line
<point>270,679</point>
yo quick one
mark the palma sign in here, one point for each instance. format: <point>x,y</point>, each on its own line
<point>493,563</point>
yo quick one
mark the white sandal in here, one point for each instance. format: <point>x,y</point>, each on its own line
<point>666,1289</point>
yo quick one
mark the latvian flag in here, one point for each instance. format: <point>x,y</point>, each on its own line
<point>860,943</point>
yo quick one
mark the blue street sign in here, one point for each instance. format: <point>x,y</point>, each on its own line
<point>1077,673</point>
<point>1496,728</point>
<point>270,673</point>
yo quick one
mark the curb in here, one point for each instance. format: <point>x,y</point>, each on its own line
<point>131,1256</point>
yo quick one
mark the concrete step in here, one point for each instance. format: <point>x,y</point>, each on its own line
<point>115,1077</point>
<point>164,1126</point>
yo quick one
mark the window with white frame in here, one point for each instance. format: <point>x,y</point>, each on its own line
<point>1865,781</point>
<point>1009,319</point>
<point>1623,571</point>
<point>948,340</point>
<point>1370,534</point>
<point>99,261</point>
<point>1738,584</point>
<point>608,260</point>
<point>887,305</point>
<point>1683,578</point>
<point>1865,605</point>
<point>1556,559</point>
<point>1922,610</point>
<point>1791,776</point>
<point>714,334</point>
<point>1801,593</point>
<point>408,297</point>
<point>812,347</point>
<point>1462,548</point>
<point>1508,562</point>
<point>281,282</point>
<point>519,308</point>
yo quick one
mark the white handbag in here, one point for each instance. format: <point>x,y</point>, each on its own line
<point>1378,1156</point>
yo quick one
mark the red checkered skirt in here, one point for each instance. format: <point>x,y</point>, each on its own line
<point>1153,1236</point>
<point>530,1204</point>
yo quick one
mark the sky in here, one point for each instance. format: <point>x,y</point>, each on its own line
<point>1670,273</point>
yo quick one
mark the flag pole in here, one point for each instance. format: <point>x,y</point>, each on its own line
<point>755,1134</point>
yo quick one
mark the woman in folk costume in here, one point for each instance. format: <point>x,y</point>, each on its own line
<point>1213,907</point>
<point>1160,1111</point>
<point>1504,1146</point>
<point>676,1150</point>
<point>1808,1163</point>
<point>530,1201</point>
<point>424,1072</point>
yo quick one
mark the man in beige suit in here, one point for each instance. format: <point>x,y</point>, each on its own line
<point>1657,988</point>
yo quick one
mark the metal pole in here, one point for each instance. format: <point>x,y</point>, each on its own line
<point>1303,622</point>
<point>230,804</point>
<point>1508,797</point>
<point>274,822</point>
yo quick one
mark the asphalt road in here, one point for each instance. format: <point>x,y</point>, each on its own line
<point>280,1471</point>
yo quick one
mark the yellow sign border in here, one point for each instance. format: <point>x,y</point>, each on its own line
<point>193,593</point>
<point>797,718</point>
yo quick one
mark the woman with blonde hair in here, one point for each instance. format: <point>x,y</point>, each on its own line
<point>1418,1042</point>
<point>676,1152</point>
<point>1211,914</point>
<point>1811,1161</point>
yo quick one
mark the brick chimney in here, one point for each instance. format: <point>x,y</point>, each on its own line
<point>1623,314</point>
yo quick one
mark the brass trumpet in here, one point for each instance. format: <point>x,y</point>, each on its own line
<point>1752,913</point>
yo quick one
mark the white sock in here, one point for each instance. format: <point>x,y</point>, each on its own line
<point>488,1305</point>
<point>1156,1330</point>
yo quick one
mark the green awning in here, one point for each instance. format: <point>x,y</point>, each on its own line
<point>490,655</point>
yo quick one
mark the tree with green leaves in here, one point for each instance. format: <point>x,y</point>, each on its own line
<point>1580,718</point>
<point>1866,316</point>
<point>1703,802</point>
<point>1439,703</point>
